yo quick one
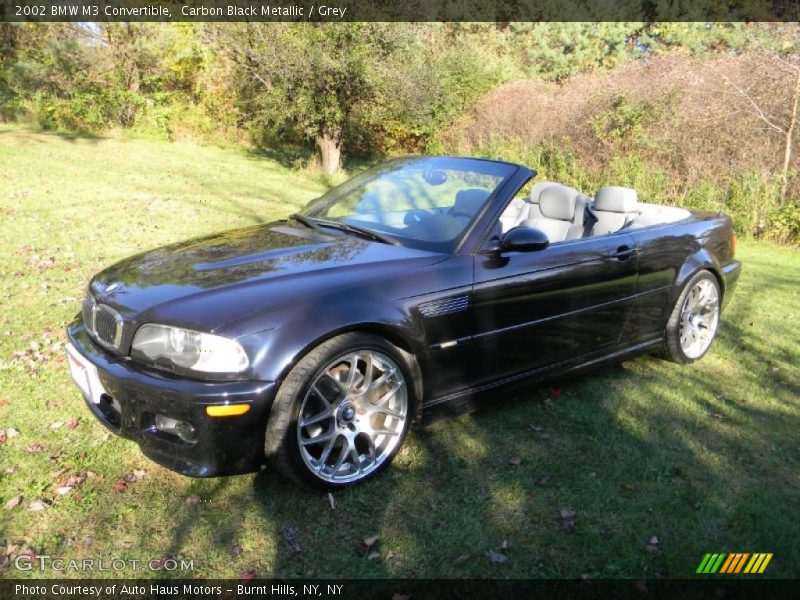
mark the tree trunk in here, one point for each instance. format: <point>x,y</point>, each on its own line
<point>787,149</point>
<point>331,150</point>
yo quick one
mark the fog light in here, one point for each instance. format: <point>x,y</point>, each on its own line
<point>182,429</point>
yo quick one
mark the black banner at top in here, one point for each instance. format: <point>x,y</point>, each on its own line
<point>51,11</point>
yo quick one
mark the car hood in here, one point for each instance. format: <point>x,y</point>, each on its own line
<point>208,282</point>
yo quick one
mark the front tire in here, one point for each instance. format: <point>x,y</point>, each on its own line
<point>694,321</point>
<point>342,412</point>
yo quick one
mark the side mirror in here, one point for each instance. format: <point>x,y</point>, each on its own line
<point>524,239</point>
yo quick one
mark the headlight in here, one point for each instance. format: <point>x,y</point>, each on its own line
<point>187,349</point>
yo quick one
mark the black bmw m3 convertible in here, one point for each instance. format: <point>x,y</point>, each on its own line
<point>403,295</point>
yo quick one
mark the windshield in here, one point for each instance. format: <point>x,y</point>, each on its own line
<point>424,203</point>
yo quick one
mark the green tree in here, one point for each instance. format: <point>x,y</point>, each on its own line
<point>313,79</point>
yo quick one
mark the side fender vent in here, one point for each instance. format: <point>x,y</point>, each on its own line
<point>444,306</point>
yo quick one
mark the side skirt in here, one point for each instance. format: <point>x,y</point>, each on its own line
<point>470,400</point>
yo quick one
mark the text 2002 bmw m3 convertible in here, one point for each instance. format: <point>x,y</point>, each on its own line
<point>404,294</point>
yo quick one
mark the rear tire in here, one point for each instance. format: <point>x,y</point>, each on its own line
<point>342,413</point>
<point>694,321</point>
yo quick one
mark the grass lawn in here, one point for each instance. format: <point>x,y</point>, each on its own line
<point>704,458</point>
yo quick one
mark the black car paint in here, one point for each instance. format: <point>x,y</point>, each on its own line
<point>473,320</point>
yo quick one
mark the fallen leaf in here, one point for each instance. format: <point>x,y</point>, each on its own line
<point>134,476</point>
<point>120,486</point>
<point>291,538</point>
<point>193,500</point>
<point>34,448</point>
<point>515,461</point>
<point>653,545</point>
<point>555,393</point>
<point>3,402</point>
<point>371,541</point>
<point>237,550</point>
<point>72,423</point>
<point>462,558</point>
<point>495,557</point>
<point>64,490</point>
<point>567,520</point>
<point>13,503</point>
<point>57,456</point>
<point>38,505</point>
<point>504,546</point>
<point>331,501</point>
<point>373,556</point>
<point>57,425</point>
<point>2,437</point>
<point>543,480</point>
<point>126,544</point>
<point>12,433</point>
<point>11,470</point>
<point>249,574</point>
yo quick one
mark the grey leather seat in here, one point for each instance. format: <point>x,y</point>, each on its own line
<point>615,208</point>
<point>520,210</point>
<point>562,211</point>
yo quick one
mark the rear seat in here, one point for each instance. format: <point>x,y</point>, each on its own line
<point>615,208</point>
<point>562,211</point>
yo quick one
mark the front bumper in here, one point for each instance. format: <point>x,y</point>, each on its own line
<point>134,395</point>
<point>730,276</point>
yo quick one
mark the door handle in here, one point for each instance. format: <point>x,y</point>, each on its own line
<point>624,252</point>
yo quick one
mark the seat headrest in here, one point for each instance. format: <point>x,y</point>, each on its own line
<point>558,202</point>
<point>468,202</point>
<point>614,198</point>
<point>536,190</point>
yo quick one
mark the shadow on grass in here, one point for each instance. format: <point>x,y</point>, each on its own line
<point>69,136</point>
<point>298,157</point>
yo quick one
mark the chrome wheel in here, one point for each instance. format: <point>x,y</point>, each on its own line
<point>353,416</point>
<point>699,318</point>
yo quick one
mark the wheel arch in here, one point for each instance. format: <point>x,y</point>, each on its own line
<point>700,261</point>
<point>392,334</point>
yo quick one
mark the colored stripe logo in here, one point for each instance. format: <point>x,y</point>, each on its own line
<point>734,563</point>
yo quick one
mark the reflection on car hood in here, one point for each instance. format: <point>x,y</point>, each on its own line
<point>220,278</point>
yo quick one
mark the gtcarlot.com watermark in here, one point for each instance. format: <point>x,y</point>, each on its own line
<point>25,562</point>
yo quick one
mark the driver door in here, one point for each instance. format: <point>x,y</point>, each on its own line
<point>535,309</point>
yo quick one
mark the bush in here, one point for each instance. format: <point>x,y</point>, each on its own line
<point>784,223</point>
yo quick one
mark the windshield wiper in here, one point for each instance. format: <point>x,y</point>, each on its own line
<point>362,231</point>
<point>306,221</point>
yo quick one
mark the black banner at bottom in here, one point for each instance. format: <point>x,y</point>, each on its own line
<point>399,589</point>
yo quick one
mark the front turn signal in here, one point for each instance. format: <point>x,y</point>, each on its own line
<point>227,410</point>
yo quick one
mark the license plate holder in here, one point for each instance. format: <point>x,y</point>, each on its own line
<point>85,376</point>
